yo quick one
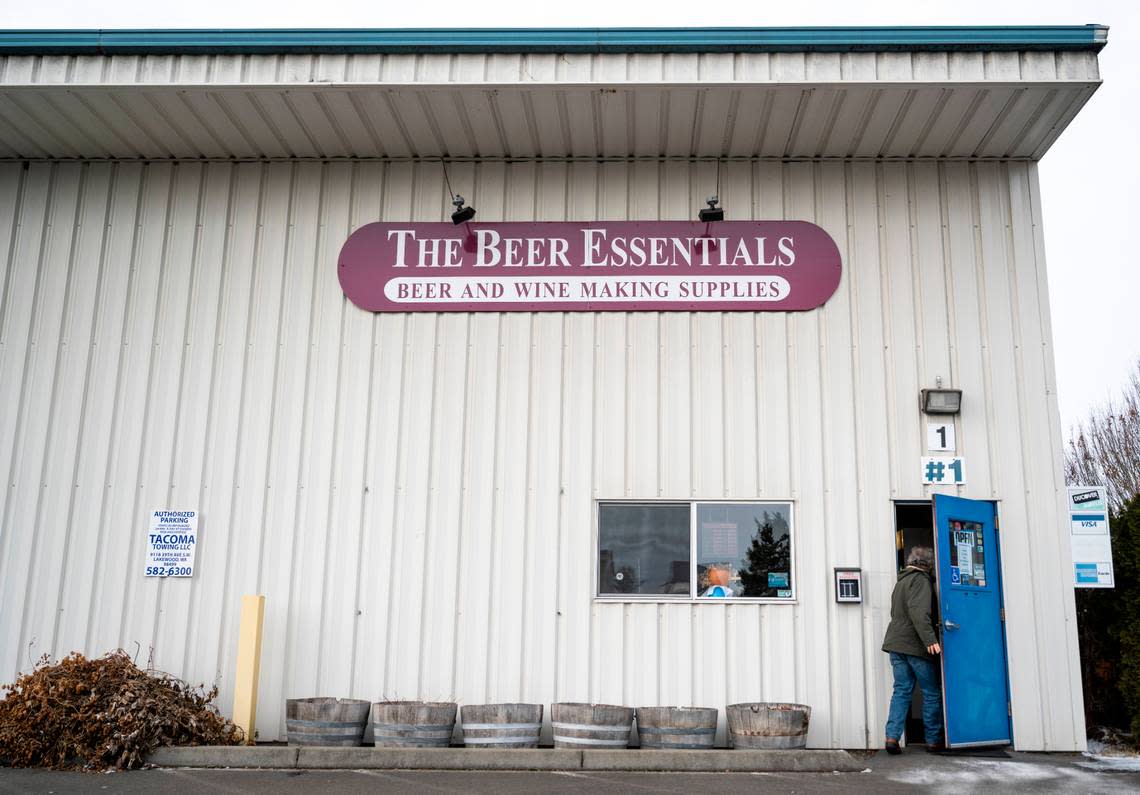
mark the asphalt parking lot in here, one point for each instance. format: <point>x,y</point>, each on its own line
<point>914,771</point>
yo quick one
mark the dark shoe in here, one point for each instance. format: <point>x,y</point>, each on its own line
<point>893,747</point>
<point>936,748</point>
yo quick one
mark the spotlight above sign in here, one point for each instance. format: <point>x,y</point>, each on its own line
<point>774,266</point>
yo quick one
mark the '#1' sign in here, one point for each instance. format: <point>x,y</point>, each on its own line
<point>777,266</point>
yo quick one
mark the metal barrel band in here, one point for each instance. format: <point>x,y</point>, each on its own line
<point>354,736</point>
<point>680,746</point>
<point>441,742</point>
<point>665,730</point>
<point>299,736</point>
<point>588,741</point>
<point>439,735</point>
<point>520,726</point>
<point>321,724</point>
<point>499,740</point>
<point>414,727</point>
<point>341,733</point>
<point>592,727</point>
<point>798,733</point>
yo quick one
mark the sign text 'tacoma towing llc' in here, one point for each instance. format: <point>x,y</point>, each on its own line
<point>563,266</point>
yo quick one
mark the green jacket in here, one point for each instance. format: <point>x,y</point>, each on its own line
<point>913,608</point>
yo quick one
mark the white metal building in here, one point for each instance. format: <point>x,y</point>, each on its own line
<point>417,494</point>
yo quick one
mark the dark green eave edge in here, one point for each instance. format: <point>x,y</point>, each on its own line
<point>567,40</point>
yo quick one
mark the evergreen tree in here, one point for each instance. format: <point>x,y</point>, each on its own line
<point>768,552</point>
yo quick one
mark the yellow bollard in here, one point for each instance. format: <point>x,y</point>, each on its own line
<point>248,664</point>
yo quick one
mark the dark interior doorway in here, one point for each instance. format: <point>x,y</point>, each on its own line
<point>914,527</point>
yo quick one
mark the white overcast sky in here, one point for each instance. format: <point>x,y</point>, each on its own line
<point>1090,178</point>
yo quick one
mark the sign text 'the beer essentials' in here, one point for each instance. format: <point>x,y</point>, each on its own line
<point>562,266</point>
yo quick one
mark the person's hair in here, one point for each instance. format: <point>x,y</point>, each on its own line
<point>921,558</point>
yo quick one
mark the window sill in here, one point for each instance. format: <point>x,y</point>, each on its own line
<point>689,600</point>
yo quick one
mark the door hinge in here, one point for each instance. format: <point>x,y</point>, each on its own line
<point>1009,709</point>
<point>1003,614</point>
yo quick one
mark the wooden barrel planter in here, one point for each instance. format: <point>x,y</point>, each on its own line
<point>325,721</point>
<point>764,725</point>
<point>664,728</point>
<point>501,725</point>
<point>590,725</point>
<point>413,724</point>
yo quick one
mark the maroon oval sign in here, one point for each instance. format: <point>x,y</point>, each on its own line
<point>779,266</point>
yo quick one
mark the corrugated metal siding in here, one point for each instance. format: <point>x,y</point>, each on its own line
<point>414,493</point>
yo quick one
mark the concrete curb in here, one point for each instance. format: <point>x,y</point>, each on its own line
<point>439,759</point>
<point>314,758</point>
<point>717,760</point>
<point>276,756</point>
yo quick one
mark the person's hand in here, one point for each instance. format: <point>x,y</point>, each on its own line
<point>934,648</point>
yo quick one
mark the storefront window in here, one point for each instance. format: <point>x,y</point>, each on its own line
<point>743,550</point>
<point>643,549</point>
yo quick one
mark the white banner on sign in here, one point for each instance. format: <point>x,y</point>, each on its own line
<point>594,289</point>
<point>171,540</point>
<point>1090,538</point>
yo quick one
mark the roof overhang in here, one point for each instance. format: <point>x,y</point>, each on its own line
<point>915,93</point>
<point>969,120</point>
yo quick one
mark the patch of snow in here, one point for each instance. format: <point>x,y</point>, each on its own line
<point>1110,756</point>
<point>1112,749</point>
<point>1097,747</point>
<point>1111,762</point>
<point>978,775</point>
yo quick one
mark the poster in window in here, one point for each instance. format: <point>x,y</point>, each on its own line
<point>967,554</point>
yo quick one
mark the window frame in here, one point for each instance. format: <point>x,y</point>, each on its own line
<point>693,597</point>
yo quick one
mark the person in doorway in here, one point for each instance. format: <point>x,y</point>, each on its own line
<point>913,644</point>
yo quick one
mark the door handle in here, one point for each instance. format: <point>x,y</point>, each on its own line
<point>950,625</point>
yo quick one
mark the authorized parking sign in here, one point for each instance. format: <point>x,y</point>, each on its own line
<point>171,540</point>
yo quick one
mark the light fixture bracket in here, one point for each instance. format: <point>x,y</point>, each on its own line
<point>462,214</point>
<point>712,212</point>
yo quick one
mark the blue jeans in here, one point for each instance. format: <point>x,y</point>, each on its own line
<point>908,669</point>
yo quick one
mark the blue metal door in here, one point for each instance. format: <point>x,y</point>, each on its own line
<point>975,683</point>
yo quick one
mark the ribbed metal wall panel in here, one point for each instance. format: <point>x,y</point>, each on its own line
<point>414,493</point>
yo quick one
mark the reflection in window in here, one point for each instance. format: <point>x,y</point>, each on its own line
<point>643,549</point>
<point>744,550</point>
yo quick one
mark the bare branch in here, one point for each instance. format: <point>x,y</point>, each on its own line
<point>1106,448</point>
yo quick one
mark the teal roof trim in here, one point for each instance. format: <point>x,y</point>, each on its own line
<point>528,40</point>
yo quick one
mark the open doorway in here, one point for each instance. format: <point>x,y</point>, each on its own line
<point>914,527</point>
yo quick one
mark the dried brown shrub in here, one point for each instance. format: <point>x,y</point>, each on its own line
<point>105,712</point>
